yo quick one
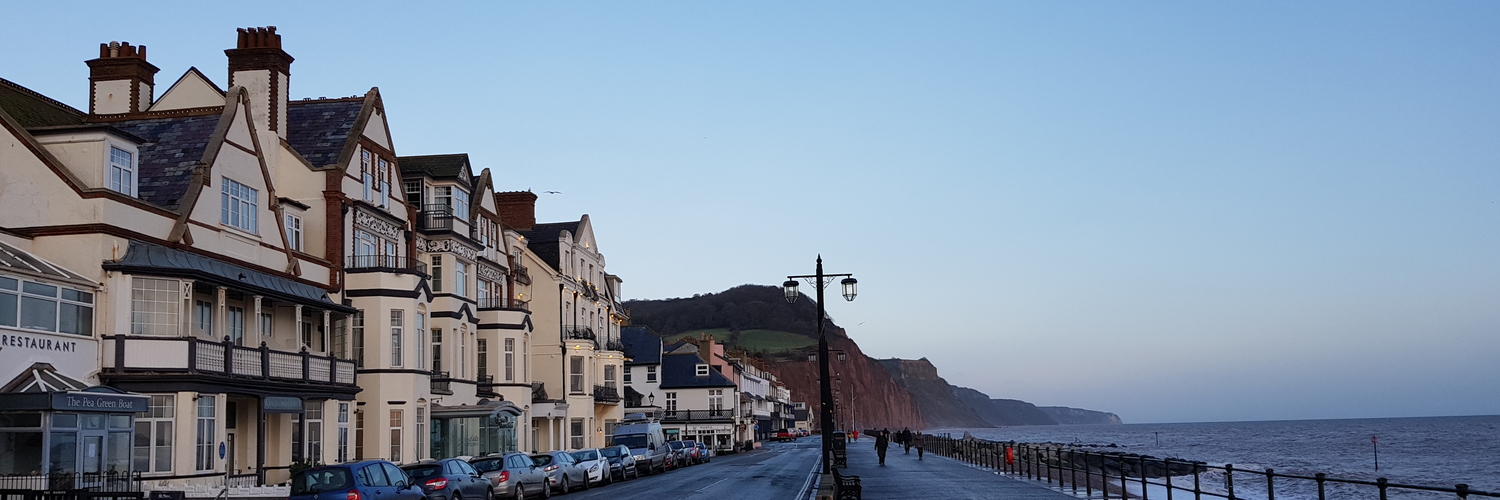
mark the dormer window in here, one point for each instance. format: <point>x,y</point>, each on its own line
<point>702,369</point>
<point>121,175</point>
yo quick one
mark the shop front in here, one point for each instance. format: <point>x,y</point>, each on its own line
<point>57,432</point>
<point>474,430</point>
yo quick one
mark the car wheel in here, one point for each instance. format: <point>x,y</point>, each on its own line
<point>456,496</point>
<point>585,486</point>
<point>520,492</point>
<point>546,489</point>
<point>565,486</point>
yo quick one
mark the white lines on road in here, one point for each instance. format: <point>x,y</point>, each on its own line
<point>808,487</point>
<point>710,485</point>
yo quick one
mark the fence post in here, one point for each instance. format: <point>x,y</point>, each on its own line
<point>1270,484</point>
<point>1197,485</point>
<point>1381,483</point>
<point>1088,480</point>
<point>1167,462</point>
<point>1229,480</point>
<point>1073,468</point>
<point>1320,477</point>
<point>1144,490</point>
<point>1462,490</point>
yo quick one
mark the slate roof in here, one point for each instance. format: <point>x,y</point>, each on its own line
<point>542,240</point>
<point>32,109</point>
<point>319,129</point>
<point>641,346</point>
<point>450,166</point>
<point>681,371</point>
<point>156,259</point>
<point>173,147</point>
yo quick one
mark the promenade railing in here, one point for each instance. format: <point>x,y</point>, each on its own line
<point>1126,475</point>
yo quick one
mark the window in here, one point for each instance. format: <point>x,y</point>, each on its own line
<point>482,352</point>
<point>294,232</point>
<point>671,403</point>
<point>576,430</point>
<point>421,431</point>
<point>651,374</point>
<point>359,435</point>
<point>312,415</point>
<point>238,209</point>
<point>396,420</point>
<point>153,306</point>
<point>460,278</point>
<point>367,176</point>
<point>575,374</point>
<point>716,401</point>
<point>265,324</point>
<point>421,341</point>
<point>234,321</point>
<point>414,193</point>
<point>384,171</point>
<point>341,338</point>
<point>203,318</point>
<point>207,433</point>
<point>609,376</point>
<point>437,349</point>
<point>437,273</point>
<point>461,204</point>
<point>397,318</point>
<point>510,360</point>
<point>153,435</point>
<point>359,339</point>
<point>442,196</point>
<point>627,375</point>
<point>701,370</point>
<point>343,450</point>
<point>39,306</point>
<point>121,176</point>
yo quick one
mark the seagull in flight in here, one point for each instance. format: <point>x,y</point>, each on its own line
<point>552,192</point>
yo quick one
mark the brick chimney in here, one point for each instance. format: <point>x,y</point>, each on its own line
<point>120,80</point>
<point>516,209</point>
<point>258,64</point>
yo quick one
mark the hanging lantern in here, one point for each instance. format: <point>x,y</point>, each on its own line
<point>789,290</point>
<point>849,285</point>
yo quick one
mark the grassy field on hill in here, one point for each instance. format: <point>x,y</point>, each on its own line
<point>752,340</point>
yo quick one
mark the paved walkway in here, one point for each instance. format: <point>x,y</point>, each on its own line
<point>903,476</point>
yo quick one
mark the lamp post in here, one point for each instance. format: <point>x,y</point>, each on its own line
<point>825,398</point>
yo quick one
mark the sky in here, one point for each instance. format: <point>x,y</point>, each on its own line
<point>1174,211</point>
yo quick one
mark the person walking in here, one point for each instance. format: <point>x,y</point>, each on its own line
<point>882,441</point>
<point>906,439</point>
<point>921,442</point>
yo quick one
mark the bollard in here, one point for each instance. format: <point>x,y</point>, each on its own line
<point>1270,484</point>
<point>1229,480</point>
<point>1463,491</point>
<point>1320,478</point>
<point>1381,483</point>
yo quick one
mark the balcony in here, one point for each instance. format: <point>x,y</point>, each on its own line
<point>486,387</point>
<point>435,218</point>
<point>720,415</point>
<point>132,359</point>
<point>614,345</point>
<point>573,332</point>
<point>442,383</point>
<point>522,275</point>
<point>385,264</point>
<point>493,303</point>
<point>606,394</point>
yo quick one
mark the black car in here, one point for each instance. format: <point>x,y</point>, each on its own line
<point>621,462</point>
<point>449,479</point>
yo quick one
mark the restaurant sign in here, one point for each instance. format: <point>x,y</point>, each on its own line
<point>88,401</point>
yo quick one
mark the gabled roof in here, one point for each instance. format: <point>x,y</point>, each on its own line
<point>642,347</point>
<point>23,262</point>
<point>42,377</point>
<point>174,146</point>
<point>542,240</point>
<point>449,166</point>
<point>319,129</point>
<point>32,109</point>
<point>681,371</point>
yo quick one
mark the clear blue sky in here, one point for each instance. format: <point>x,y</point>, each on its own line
<point>1173,211</point>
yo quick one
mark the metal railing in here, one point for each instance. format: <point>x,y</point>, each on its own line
<point>485,387</point>
<point>90,481</point>
<point>1125,475</point>
<point>614,345</point>
<point>388,263</point>
<point>442,383</point>
<point>578,332</point>
<point>690,415</point>
<point>523,276</point>
<point>435,217</point>
<point>606,394</point>
<point>227,359</point>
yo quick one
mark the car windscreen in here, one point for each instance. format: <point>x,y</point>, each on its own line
<point>320,480</point>
<point>632,440</point>
<point>488,464</point>
<point>676,445</point>
<point>423,471</point>
<point>585,455</point>
<point>612,452</point>
<point>542,460</point>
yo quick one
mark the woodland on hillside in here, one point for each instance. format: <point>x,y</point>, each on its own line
<point>745,307</point>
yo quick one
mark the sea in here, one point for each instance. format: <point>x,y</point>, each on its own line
<point>1426,451</point>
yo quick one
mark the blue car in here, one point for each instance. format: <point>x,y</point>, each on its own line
<point>367,480</point>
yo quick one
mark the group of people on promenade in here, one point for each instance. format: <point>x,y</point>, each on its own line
<point>905,438</point>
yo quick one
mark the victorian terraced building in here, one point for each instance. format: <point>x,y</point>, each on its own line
<point>243,282</point>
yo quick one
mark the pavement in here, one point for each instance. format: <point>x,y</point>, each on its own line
<point>780,471</point>
<point>903,476</point>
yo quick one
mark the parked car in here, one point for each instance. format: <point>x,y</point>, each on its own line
<point>683,451</point>
<point>366,480</point>
<point>563,473</point>
<point>449,479</point>
<point>646,442</point>
<point>595,464</point>
<point>512,475</point>
<point>785,435</point>
<point>704,451</point>
<point>621,462</point>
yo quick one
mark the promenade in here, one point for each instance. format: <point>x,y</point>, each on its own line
<point>903,476</point>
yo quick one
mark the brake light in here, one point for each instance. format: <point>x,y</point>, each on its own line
<point>550,468</point>
<point>352,495</point>
<point>503,477</point>
<point>437,483</point>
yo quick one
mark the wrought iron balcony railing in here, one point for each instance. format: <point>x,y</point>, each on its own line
<point>575,332</point>
<point>435,218</point>
<point>442,383</point>
<point>606,394</point>
<point>694,415</point>
<point>385,263</point>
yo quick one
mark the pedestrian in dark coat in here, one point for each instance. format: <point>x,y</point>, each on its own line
<point>882,441</point>
<point>906,439</point>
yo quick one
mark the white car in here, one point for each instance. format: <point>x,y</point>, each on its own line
<point>595,464</point>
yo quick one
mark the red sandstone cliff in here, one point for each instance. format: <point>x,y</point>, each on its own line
<point>864,387</point>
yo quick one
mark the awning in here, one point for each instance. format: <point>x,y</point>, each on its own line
<point>147,258</point>
<point>41,387</point>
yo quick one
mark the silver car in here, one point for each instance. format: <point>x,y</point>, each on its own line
<point>513,475</point>
<point>563,472</point>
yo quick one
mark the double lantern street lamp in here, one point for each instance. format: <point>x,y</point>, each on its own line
<point>821,281</point>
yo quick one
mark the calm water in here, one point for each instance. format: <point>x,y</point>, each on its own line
<point>1434,451</point>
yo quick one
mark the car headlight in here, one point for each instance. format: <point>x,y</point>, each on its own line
<point>640,457</point>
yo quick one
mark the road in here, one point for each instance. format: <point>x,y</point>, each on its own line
<point>778,471</point>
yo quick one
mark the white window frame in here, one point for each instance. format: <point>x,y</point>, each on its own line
<point>421,341</point>
<point>207,435</point>
<point>398,320</point>
<point>155,307</point>
<point>510,360</point>
<point>460,278</point>
<point>343,434</point>
<point>159,425</point>
<point>294,231</point>
<point>118,177</point>
<point>241,204</point>
<point>396,423</point>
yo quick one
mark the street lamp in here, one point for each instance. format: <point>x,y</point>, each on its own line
<point>825,386</point>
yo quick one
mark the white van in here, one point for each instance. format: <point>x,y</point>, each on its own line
<point>646,442</point>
